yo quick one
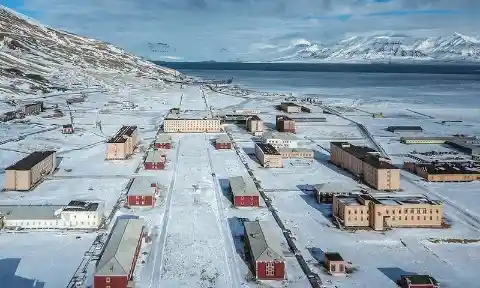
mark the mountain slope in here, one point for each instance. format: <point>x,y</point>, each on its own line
<point>35,58</point>
<point>391,47</point>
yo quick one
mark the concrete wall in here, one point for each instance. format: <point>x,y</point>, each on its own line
<point>117,151</point>
<point>24,180</point>
<point>191,125</point>
<point>273,161</point>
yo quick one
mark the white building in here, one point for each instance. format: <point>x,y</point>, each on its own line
<point>280,139</point>
<point>75,215</point>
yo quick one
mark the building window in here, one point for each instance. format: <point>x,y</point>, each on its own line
<point>332,267</point>
<point>341,268</point>
<point>418,217</point>
<point>107,279</point>
<point>270,269</point>
<point>406,211</point>
<point>431,218</point>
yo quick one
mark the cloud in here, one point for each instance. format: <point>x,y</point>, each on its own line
<point>199,29</point>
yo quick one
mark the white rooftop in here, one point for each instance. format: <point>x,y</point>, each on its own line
<point>279,135</point>
<point>192,115</point>
<point>163,138</point>
<point>264,245</point>
<point>31,212</point>
<point>117,257</point>
<point>154,156</point>
<point>223,139</point>
<point>243,186</point>
<point>142,185</point>
<point>304,150</point>
<point>329,187</point>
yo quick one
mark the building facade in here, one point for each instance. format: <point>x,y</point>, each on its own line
<point>417,281</point>
<point>289,153</point>
<point>122,145</point>
<point>155,160</point>
<point>280,139</point>
<point>223,142</point>
<point>254,124</point>
<point>324,192</point>
<point>290,107</point>
<point>163,141</point>
<point>190,122</point>
<point>268,155</point>
<point>143,192</point>
<point>334,263</point>
<point>267,259</point>
<point>27,172</point>
<point>244,192</point>
<point>285,124</point>
<point>446,171</point>
<point>116,265</point>
<point>382,212</point>
<point>67,129</point>
<point>77,214</point>
<point>33,108</point>
<point>366,163</point>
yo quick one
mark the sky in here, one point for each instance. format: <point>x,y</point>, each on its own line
<point>200,30</point>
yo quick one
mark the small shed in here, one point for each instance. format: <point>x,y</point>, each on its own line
<point>334,263</point>
<point>417,281</point>
<point>155,160</point>
<point>324,192</point>
<point>267,259</point>
<point>143,191</point>
<point>244,191</point>
<point>67,129</point>
<point>223,142</point>
<point>163,141</point>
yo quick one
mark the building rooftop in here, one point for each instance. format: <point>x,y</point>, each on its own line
<point>268,149</point>
<point>284,118</point>
<point>300,150</point>
<point>243,186</point>
<point>335,187</point>
<point>289,104</point>
<point>118,254</point>
<point>404,128</point>
<point>77,205</point>
<point>388,200</point>
<point>155,156</point>
<point>190,115</point>
<point>142,185</point>
<point>31,212</point>
<point>254,117</point>
<point>223,139</point>
<point>264,245</point>
<point>31,160</point>
<point>333,256</point>
<point>124,131</point>
<point>419,279</point>
<point>33,104</point>
<point>450,167</point>
<point>463,145</point>
<point>163,138</point>
<point>366,154</point>
<point>279,135</point>
<point>67,126</point>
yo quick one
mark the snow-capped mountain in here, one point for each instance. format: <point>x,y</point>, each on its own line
<point>456,47</point>
<point>38,59</point>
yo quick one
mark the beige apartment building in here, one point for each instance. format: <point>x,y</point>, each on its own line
<point>288,153</point>
<point>191,122</point>
<point>254,124</point>
<point>385,211</point>
<point>27,172</point>
<point>445,171</point>
<point>268,155</point>
<point>366,163</point>
<point>290,107</point>
<point>122,144</point>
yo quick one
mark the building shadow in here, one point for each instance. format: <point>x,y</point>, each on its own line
<point>270,126</point>
<point>249,151</point>
<point>317,254</point>
<point>225,187</point>
<point>325,209</point>
<point>394,273</point>
<point>237,230</point>
<point>8,268</point>
<point>324,159</point>
<point>59,161</point>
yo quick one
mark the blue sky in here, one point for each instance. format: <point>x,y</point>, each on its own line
<point>199,29</point>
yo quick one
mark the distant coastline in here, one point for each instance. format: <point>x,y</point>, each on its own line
<point>422,68</point>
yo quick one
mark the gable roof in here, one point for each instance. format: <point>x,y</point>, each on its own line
<point>242,186</point>
<point>264,246</point>
<point>117,257</point>
<point>142,185</point>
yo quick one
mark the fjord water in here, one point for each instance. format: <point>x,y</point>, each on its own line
<point>437,85</point>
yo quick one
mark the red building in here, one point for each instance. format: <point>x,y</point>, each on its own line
<point>223,142</point>
<point>142,192</point>
<point>163,141</point>
<point>155,161</point>
<point>285,124</point>
<point>417,281</point>
<point>117,263</point>
<point>244,192</point>
<point>67,129</point>
<point>267,260</point>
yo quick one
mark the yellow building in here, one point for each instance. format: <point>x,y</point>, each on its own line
<point>27,172</point>
<point>122,144</point>
<point>386,211</point>
<point>268,155</point>
<point>191,122</point>
<point>254,124</point>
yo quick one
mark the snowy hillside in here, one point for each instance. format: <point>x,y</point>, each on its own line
<point>36,59</point>
<point>456,47</point>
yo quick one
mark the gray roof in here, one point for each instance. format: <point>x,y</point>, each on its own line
<point>142,185</point>
<point>163,138</point>
<point>264,245</point>
<point>304,150</point>
<point>279,135</point>
<point>335,187</point>
<point>243,186</point>
<point>154,156</point>
<point>223,139</point>
<point>78,205</point>
<point>31,212</point>
<point>117,257</point>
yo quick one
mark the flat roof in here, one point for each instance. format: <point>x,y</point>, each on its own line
<point>119,252</point>
<point>243,186</point>
<point>263,244</point>
<point>366,154</point>
<point>450,167</point>
<point>289,104</point>
<point>163,138</point>
<point>420,279</point>
<point>284,118</point>
<point>332,187</point>
<point>254,117</point>
<point>31,212</point>
<point>142,185</point>
<point>67,126</point>
<point>31,160</point>
<point>268,149</point>
<point>223,139</point>
<point>301,150</point>
<point>333,256</point>
<point>405,128</point>
<point>388,200</point>
<point>124,131</point>
<point>446,138</point>
<point>279,135</point>
<point>78,205</point>
<point>191,115</point>
<point>463,145</point>
<point>33,104</point>
<point>155,156</point>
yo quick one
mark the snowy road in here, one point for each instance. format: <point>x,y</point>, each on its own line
<point>194,252</point>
